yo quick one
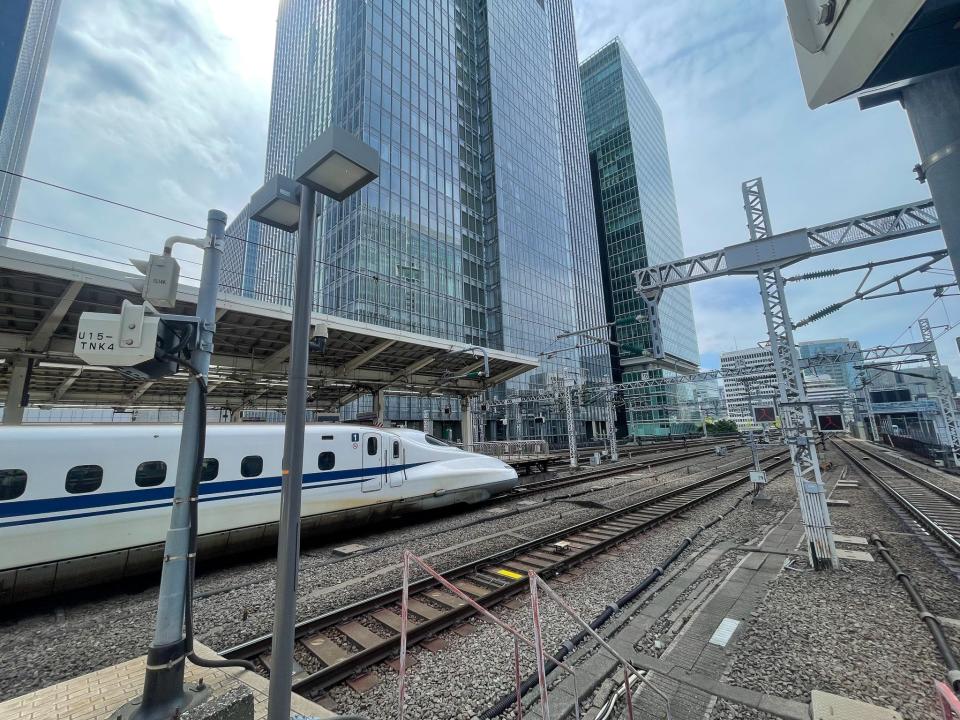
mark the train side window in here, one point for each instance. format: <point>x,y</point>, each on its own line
<point>84,479</point>
<point>326,461</point>
<point>396,448</point>
<point>371,445</point>
<point>13,483</point>
<point>210,469</point>
<point>251,466</point>
<point>150,473</point>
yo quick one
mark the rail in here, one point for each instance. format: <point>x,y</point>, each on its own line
<point>489,580</point>
<point>934,509</point>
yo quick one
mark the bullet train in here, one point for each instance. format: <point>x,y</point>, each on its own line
<point>88,504</point>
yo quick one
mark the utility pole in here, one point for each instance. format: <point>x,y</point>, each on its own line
<point>565,393</point>
<point>795,411</point>
<point>944,389</point>
<point>164,694</point>
<point>612,427</point>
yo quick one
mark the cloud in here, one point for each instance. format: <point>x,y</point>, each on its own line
<point>159,104</point>
<point>163,104</point>
<point>725,77</point>
<point>116,72</point>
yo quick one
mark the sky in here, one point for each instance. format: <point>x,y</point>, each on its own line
<point>163,104</point>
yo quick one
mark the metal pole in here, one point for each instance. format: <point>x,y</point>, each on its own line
<point>17,391</point>
<point>571,424</point>
<point>933,106</point>
<point>288,551</point>
<point>612,429</point>
<point>163,691</point>
<point>466,423</point>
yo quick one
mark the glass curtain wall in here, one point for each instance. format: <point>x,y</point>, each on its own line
<point>637,226</point>
<point>467,233</point>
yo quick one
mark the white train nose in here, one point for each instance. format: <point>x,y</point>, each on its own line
<point>504,478</point>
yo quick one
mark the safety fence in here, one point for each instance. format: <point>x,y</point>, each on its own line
<point>631,675</point>
<point>512,449</point>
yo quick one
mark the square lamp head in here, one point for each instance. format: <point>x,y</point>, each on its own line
<point>337,164</point>
<point>277,204</point>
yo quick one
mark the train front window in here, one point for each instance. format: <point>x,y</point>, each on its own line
<point>83,479</point>
<point>436,441</point>
<point>251,466</point>
<point>210,469</point>
<point>150,473</point>
<point>13,483</point>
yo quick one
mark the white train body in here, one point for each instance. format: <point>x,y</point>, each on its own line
<point>82,505</point>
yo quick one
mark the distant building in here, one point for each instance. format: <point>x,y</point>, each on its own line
<point>26,33</point>
<point>637,226</point>
<point>904,402</point>
<point>750,386</point>
<point>830,384</point>
<point>843,373</point>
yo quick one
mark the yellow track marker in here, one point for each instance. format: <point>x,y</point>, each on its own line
<point>509,573</point>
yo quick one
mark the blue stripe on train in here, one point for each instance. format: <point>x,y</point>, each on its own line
<point>217,490</point>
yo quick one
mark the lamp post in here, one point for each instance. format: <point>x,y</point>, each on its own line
<point>336,165</point>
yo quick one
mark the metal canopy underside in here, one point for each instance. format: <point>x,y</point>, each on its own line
<point>42,297</point>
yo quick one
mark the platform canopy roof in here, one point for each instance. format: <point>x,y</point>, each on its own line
<point>42,297</point>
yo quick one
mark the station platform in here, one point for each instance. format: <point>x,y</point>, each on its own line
<point>97,695</point>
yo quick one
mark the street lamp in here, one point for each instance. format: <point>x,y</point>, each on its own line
<point>336,164</point>
<point>277,203</point>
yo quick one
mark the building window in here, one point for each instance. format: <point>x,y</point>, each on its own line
<point>13,483</point>
<point>371,446</point>
<point>210,469</point>
<point>150,473</point>
<point>251,466</point>
<point>84,479</point>
<point>326,461</point>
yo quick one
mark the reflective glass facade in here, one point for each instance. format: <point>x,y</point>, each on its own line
<point>637,226</point>
<point>26,33</point>
<point>483,205</point>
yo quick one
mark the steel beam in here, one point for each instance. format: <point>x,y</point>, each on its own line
<point>51,321</point>
<point>363,358</point>
<point>65,385</point>
<point>891,224</point>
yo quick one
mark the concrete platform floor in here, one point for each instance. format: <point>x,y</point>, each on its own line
<point>97,695</point>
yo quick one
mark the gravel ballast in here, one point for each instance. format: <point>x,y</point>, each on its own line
<point>853,632</point>
<point>235,604</point>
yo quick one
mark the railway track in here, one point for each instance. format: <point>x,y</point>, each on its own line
<point>626,451</point>
<point>601,473</point>
<point>336,645</point>
<point>933,510</point>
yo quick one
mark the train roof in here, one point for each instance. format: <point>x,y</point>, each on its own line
<point>138,429</point>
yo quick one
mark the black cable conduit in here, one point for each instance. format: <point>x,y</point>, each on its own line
<point>931,620</point>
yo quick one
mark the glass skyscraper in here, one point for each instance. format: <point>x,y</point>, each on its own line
<point>26,33</point>
<point>638,226</point>
<point>480,228</point>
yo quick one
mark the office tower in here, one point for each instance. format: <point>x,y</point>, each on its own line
<point>26,33</point>
<point>638,226</point>
<point>472,230</point>
<point>750,386</point>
